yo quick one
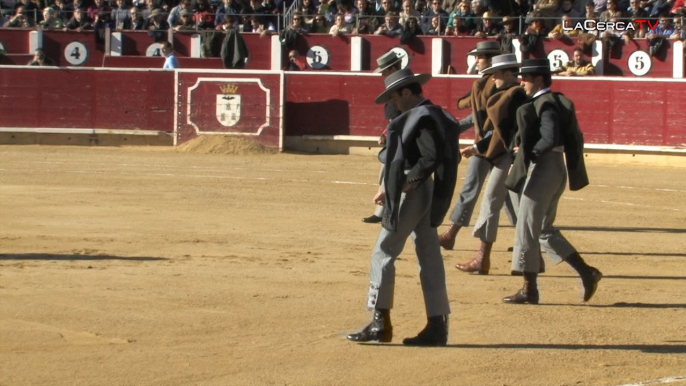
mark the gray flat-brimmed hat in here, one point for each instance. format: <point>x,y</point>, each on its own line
<point>500,62</point>
<point>156,12</point>
<point>488,48</point>
<point>387,60</point>
<point>399,79</point>
<point>535,66</point>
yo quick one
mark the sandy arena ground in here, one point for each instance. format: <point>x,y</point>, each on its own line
<point>154,266</point>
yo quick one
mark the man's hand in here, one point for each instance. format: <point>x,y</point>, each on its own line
<point>468,151</point>
<point>380,197</point>
<point>382,140</point>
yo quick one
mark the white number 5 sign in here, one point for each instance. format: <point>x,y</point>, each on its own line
<point>639,63</point>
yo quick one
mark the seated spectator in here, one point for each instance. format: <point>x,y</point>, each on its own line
<point>458,27</point>
<point>577,66</point>
<point>420,6</point>
<point>391,27</point>
<point>434,28</point>
<point>136,21</point>
<point>121,14</point>
<point>295,62</point>
<point>103,20</point>
<point>50,20</point>
<point>636,11</point>
<point>408,12</point>
<point>230,22</point>
<point>387,6</point>
<point>436,10</point>
<point>156,21</point>
<point>547,11</point>
<point>349,12</point>
<point>567,8</point>
<point>260,25</point>
<point>319,26</point>
<point>64,9</point>
<point>464,11</point>
<point>489,28</point>
<point>31,11</point>
<point>340,27</point>
<point>410,30</point>
<point>507,34</point>
<point>612,11</point>
<point>309,11</point>
<point>298,24</point>
<point>368,21</point>
<point>185,22</point>
<point>20,19</point>
<point>174,17</point>
<point>656,38</point>
<point>559,33</point>
<point>95,9</point>
<point>204,15</point>
<point>228,7</point>
<point>450,5</point>
<point>590,11</point>
<point>79,21</point>
<point>39,59</point>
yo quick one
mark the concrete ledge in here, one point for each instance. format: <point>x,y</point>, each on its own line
<point>86,139</point>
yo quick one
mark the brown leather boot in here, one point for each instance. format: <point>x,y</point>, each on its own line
<point>528,293</point>
<point>480,263</point>
<point>447,239</point>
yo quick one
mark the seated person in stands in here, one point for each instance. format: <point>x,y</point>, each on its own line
<point>435,28</point>
<point>367,16</point>
<point>635,10</point>
<point>340,27</point>
<point>95,9</point>
<point>156,21</point>
<point>507,34</point>
<point>558,32</point>
<point>79,21</point>
<point>611,12</point>
<point>577,66</point>
<point>121,14</point>
<point>103,20</point>
<point>408,12</point>
<point>665,30</point>
<point>39,59</point>
<point>50,20</point>
<point>64,9</point>
<point>464,11</point>
<point>261,26</point>
<point>411,29</point>
<point>488,28</point>
<point>436,10</point>
<point>349,12</point>
<point>319,25</point>
<point>174,17</point>
<point>31,11</point>
<point>136,22</point>
<point>20,19</point>
<point>185,22</point>
<point>230,22</point>
<point>458,27</point>
<point>308,10</point>
<point>391,27</point>
<point>228,7</point>
<point>204,15</point>
<point>567,8</point>
<point>298,24</point>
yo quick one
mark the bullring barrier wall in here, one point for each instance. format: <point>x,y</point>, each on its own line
<point>311,111</point>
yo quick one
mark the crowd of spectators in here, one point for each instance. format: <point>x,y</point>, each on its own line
<point>402,18</point>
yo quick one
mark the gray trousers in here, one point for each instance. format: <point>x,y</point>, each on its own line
<point>474,181</point>
<point>378,209</point>
<point>537,210</point>
<point>414,220</point>
<point>486,228</point>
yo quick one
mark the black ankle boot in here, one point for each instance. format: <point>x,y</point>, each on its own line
<point>528,293</point>
<point>379,330</point>
<point>590,276</point>
<point>434,334</point>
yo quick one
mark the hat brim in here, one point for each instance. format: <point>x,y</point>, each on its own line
<point>386,95</point>
<point>501,66</point>
<point>539,70</point>
<point>486,52</point>
<point>391,64</point>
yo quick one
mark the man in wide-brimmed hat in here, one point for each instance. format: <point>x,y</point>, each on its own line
<point>388,63</point>
<point>482,89</point>
<point>422,142</point>
<point>494,148</point>
<point>548,134</point>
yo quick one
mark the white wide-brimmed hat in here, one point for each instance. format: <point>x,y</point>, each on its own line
<point>501,62</point>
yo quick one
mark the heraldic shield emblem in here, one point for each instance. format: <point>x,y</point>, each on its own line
<point>228,109</point>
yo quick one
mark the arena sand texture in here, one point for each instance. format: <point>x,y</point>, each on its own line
<point>159,266</point>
